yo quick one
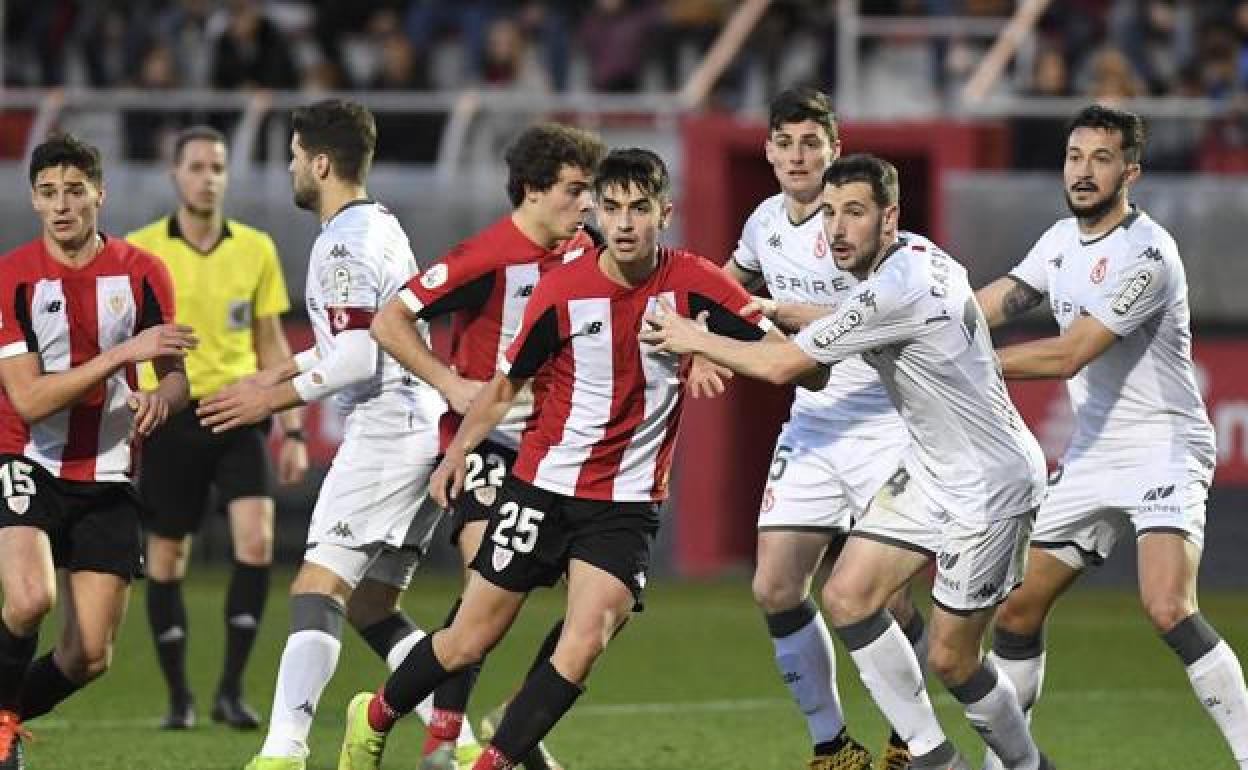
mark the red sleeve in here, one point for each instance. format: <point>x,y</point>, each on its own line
<point>463,277</point>
<point>709,289</point>
<point>541,334</point>
<point>16,334</point>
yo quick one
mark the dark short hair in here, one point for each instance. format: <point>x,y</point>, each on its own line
<point>1128,125</point>
<point>67,150</point>
<point>342,129</point>
<point>195,134</point>
<point>534,159</point>
<point>634,167</point>
<point>876,172</point>
<point>800,104</point>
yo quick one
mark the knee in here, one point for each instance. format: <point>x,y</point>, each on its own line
<point>773,594</point>
<point>370,605</point>
<point>1021,615</point>
<point>846,603</point>
<point>26,609</point>
<point>952,664</point>
<point>88,663</point>
<point>463,647</point>
<point>1166,611</point>
<point>166,558</point>
<point>254,546</point>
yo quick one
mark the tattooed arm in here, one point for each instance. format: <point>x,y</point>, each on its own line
<point>1007,298</point>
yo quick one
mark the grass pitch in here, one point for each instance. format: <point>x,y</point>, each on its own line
<point>689,685</point>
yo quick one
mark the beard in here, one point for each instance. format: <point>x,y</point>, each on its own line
<point>1094,212</point>
<point>306,197</point>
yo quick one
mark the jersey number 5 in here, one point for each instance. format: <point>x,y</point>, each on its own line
<point>523,522</point>
<point>15,479</point>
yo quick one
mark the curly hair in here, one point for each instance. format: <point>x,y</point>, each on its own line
<point>534,159</point>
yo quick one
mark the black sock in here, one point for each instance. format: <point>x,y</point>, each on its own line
<point>415,678</point>
<point>548,646</point>
<point>16,652</point>
<point>453,694</point>
<point>166,614</point>
<point>383,635</point>
<point>244,606</point>
<point>45,686</point>
<point>543,700</point>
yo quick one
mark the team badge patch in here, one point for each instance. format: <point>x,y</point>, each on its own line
<point>342,285</point>
<point>851,320</point>
<point>434,276</point>
<point>501,558</point>
<point>486,495</point>
<point>19,504</point>
<point>1098,270</point>
<point>1131,292</point>
<point>821,246</point>
<point>117,304</point>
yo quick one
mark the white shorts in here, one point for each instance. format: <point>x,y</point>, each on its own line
<point>1091,504</point>
<point>372,502</point>
<point>977,564</point>
<point>822,480</point>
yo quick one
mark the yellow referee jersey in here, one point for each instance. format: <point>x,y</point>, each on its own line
<point>219,292</point>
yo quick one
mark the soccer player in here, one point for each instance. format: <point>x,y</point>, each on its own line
<point>592,467</point>
<point>969,482</point>
<point>485,283</point>
<point>1142,454</point>
<point>78,309</point>
<point>369,527</point>
<point>840,444</point>
<point>229,288</point>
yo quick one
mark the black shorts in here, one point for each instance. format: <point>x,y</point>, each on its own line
<point>93,525</point>
<point>488,466</point>
<point>533,534</point>
<point>183,461</point>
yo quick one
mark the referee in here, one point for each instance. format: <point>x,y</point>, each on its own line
<point>228,283</point>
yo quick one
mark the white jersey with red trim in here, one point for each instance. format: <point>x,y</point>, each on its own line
<point>1140,394</point>
<point>916,321</point>
<point>359,262</point>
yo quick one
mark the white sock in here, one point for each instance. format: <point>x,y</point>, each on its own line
<point>999,720</point>
<point>308,662</point>
<point>891,673</point>
<point>807,661</point>
<point>1219,684</point>
<point>424,710</point>
<point>1027,676</point>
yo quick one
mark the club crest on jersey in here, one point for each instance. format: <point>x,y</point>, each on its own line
<point>19,504</point>
<point>117,304</point>
<point>435,276</point>
<point>1131,292</point>
<point>501,558</point>
<point>486,495</point>
<point>339,319</point>
<point>843,325</point>
<point>1098,270</point>
<point>821,246</point>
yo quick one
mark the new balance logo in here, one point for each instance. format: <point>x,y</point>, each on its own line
<point>53,307</point>
<point>592,327</point>
<point>525,291</point>
<point>1159,493</point>
<point>341,530</point>
<point>307,708</point>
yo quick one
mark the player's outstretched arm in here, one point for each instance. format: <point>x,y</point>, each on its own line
<point>1058,357</point>
<point>394,328</point>
<point>487,411</point>
<point>36,395</point>
<point>1005,299</point>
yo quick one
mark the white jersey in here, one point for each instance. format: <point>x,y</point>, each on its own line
<point>360,260</point>
<point>915,319</point>
<point>795,262</point>
<point>1141,393</point>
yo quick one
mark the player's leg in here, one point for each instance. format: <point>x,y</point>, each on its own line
<point>896,754</point>
<point>94,606</point>
<point>979,564</point>
<point>1168,563</point>
<point>166,614</point>
<point>28,582</point>
<point>244,482</point>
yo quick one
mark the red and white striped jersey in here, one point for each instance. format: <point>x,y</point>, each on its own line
<point>68,316</point>
<point>486,282</point>
<point>607,407</point>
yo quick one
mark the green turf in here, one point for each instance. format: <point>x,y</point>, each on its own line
<point>689,685</point>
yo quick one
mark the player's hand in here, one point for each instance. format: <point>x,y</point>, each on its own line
<point>460,393</point>
<point>150,412</point>
<point>667,331</point>
<point>159,341</point>
<point>243,403</point>
<point>707,379</point>
<point>448,478</point>
<point>766,306</point>
<point>292,461</point>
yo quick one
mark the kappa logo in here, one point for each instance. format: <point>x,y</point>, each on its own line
<point>306,707</point>
<point>1056,262</point>
<point>501,558</point>
<point>844,324</point>
<point>1152,252</point>
<point>774,241</point>
<point>1131,292</point>
<point>1159,493</point>
<point>341,529</point>
<point>948,560</point>
<point>435,276</point>
<point>986,591</point>
<point>339,251</point>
